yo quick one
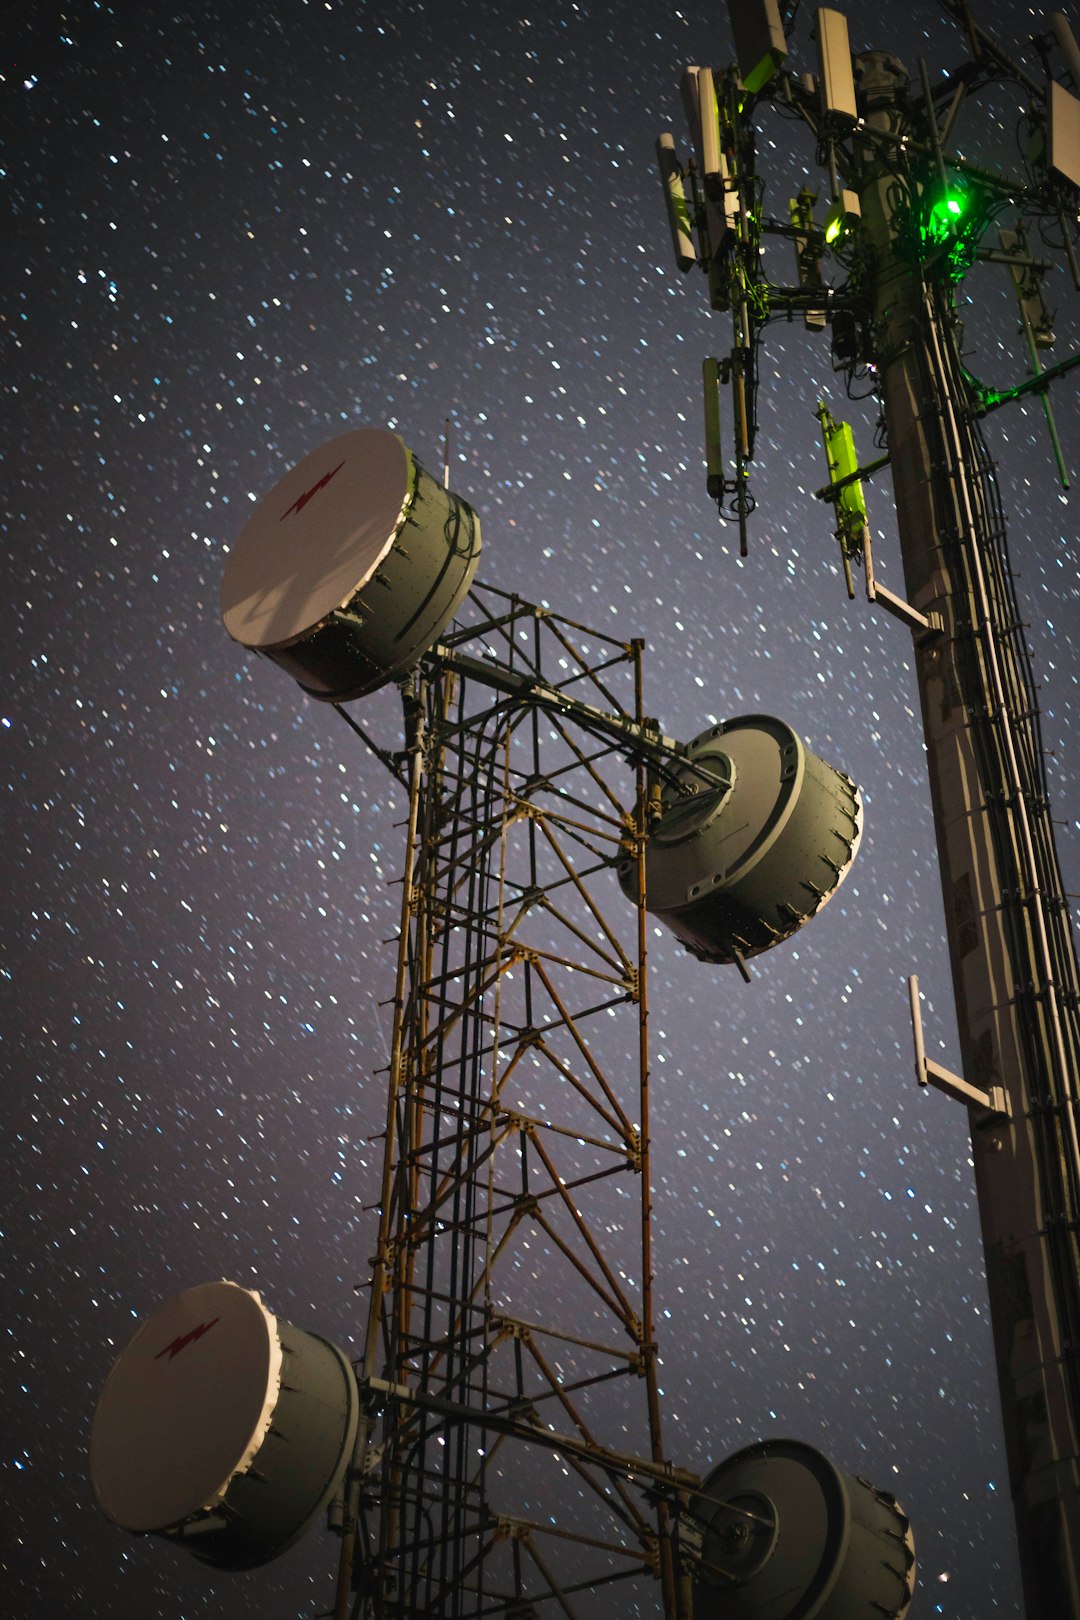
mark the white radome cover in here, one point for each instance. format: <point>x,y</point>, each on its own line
<point>186,1407</point>
<point>316,538</point>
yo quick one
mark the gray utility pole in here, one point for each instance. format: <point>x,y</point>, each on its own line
<point>904,221</point>
<point>1013,963</point>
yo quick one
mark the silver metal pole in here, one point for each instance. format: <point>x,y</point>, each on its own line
<point>1010,950</point>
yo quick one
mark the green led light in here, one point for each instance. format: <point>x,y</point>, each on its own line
<point>945,225</point>
<point>833,229</point>
<point>945,215</point>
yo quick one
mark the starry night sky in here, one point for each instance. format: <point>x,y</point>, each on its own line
<point>232,233</point>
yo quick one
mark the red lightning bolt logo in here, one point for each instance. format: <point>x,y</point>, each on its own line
<point>299,504</point>
<point>184,1339</point>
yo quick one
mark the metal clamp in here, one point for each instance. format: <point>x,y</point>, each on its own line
<point>929,1073</point>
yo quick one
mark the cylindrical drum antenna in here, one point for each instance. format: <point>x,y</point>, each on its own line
<point>778,1533</point>
<point>755,834</point>
<point>223,1428</point>
<point>349,569</point>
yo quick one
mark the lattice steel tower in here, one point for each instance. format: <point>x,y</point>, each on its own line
<point>498,1449</point>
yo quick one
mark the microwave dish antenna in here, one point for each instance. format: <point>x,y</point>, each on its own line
<point>754,836</point>
<point>222,1428</point>
<point>348,570</point>
<point>779,1533</point>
